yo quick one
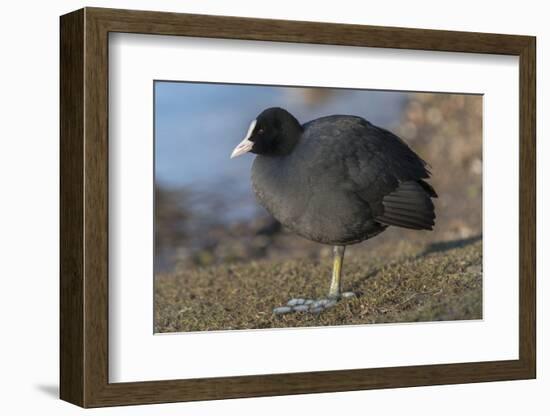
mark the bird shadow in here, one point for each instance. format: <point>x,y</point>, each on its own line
<point>448,245</point>
<point>431,248</point>
<point>51,390</point>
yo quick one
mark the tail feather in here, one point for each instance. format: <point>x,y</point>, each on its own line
<point>410,206</point>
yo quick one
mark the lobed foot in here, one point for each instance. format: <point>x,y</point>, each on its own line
<point>315,306</point>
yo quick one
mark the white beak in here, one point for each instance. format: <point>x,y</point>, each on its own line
<point>246,145</point>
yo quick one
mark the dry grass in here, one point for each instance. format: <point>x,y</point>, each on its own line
<point>428,283</point>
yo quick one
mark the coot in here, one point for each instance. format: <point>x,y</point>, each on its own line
<point>336,180</point>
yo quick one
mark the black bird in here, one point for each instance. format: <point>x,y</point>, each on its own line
<point>336,180</point>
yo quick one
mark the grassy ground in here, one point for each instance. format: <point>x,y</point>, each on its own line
<point>424,283</point>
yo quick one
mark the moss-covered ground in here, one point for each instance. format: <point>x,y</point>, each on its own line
<point>424,283</point>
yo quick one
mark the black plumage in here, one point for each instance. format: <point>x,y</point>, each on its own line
<point>338,179</point>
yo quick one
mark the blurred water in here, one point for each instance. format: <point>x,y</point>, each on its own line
<point>197,125</point>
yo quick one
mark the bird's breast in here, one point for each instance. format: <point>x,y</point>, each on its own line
<point>308,202</point>
<point>280,188</point>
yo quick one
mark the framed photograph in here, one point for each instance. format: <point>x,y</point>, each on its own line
<point>255,207</point>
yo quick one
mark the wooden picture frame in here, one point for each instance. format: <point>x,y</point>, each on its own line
<point>84,207</point>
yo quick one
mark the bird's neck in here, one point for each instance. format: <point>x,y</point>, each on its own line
<point>291,132</point>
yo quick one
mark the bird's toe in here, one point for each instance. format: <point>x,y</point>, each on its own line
<point>348,295</point>
<point>282,310</point>
<point>314,306</point>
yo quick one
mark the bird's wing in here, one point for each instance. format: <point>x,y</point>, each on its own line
<point>384,172</point>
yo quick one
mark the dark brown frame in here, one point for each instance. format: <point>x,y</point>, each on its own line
<point>84,210</point>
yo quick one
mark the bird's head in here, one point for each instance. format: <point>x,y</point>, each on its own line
<point>274,132</point>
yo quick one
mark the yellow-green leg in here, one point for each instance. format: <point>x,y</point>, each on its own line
<point>335,293</point>
<point>336,283</point>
